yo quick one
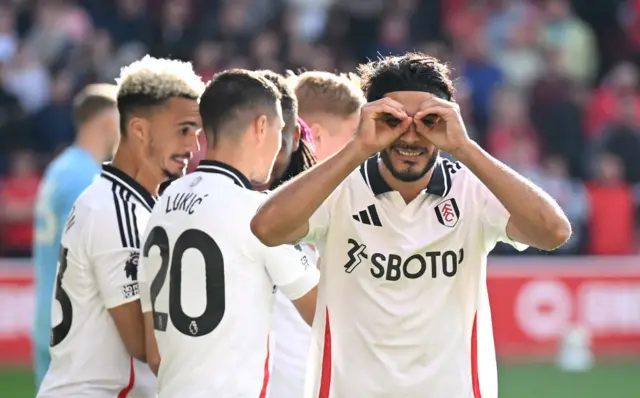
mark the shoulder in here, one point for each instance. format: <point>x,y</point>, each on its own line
<point>211,196</point>
<point>113,218</point>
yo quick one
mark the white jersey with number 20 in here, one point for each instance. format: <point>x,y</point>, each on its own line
<point>210,284</point>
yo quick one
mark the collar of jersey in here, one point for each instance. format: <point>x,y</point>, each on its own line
<point>119,177</point>
<point>216,167</point>
<point>372,177</point>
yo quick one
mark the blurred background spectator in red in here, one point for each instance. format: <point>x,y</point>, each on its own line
<point>18,190</point>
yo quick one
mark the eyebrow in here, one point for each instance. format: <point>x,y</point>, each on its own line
<point>188,124</point>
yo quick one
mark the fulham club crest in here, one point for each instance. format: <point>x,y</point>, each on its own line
<point>448,213</point>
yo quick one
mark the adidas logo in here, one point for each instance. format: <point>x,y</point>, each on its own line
<point>368,216</point>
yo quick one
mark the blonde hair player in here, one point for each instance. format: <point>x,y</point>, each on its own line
<point>330,105</point>
<point>97,338</point>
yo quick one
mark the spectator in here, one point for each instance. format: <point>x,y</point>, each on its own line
<point>622,139</point>
<point>207,59</point>
<point>52,126</point>
<point>17,198</point>
<point>483,76</point>
<point>506,17</point>
<point>393,36</point>
<point>174,36</point>
<point>13,131</point>
<point>519,59</point>
<point>611,222</point>
<point>575,39</point>
<point>130,22</point>
<point>8,34</point>
<point>26,78</point>
<point>571,195</point>
<point>556,113</point>
<point>48,40</point>
<point>621,84</point>
<point>511,138</point>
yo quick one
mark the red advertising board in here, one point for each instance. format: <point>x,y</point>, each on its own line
<point>17,304</point>
<point>534,302</point>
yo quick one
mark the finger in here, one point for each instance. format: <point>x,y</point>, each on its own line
<point>445,112</point>
<point>389,102</point>
<point>376,109</point>
<point>434,101</point>
<point>404,125</point>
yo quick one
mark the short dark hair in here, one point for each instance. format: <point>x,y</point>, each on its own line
<point>301,160</point>
<point>410,72</point>
<point>93,100</point>
<point>150,82</point>
<point>227,98</point>
<point>288,101</point>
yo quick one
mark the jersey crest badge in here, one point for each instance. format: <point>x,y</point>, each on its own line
<point>448,213</point>
<point>195,181</point>
<point>131,266</point>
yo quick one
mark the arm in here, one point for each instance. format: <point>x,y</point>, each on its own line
<point>295,276</point>
<point>153,355</point>
<point>277,222</point>
<point>535,218</point>
<point>115,273</point>
<point>151,346</point>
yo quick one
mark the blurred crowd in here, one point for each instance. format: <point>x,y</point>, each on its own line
<point>550,87</point>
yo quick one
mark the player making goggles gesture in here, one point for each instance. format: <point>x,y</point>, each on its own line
<point>403,236</point>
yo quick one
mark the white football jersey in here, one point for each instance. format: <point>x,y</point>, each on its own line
<point>211,286</point>
<point>291,350</point>
<point>97,271</point>
<point>403,309</point>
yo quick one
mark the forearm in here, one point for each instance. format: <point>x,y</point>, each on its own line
<point>536,216</point>
<point>278,221</point>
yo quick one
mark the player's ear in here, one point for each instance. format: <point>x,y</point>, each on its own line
<point>296,137</point>
<point>137,128</point>
<point>317,131</point>
<point>261,124</point>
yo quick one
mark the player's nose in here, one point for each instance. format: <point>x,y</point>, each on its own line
<point>411,136</point>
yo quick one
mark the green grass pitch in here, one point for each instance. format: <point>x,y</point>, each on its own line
<point>617,379</point>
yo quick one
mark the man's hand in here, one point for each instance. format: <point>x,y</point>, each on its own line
<point>381,123</point>
<point>440,122</point>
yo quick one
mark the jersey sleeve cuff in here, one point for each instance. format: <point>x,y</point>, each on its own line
<point>129,293</point>
<point>303,285</point>
<point>145,300</point>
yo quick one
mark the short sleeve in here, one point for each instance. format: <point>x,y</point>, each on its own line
<point>291,270</point>
<point>115,265</point>
<point>116,272</point>
<point>494,218</point>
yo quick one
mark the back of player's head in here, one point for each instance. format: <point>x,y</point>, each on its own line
<point>232,100</point>
<point>325,93</point>
<point>288,101</point>
<point>409,72</point>
<point>330,104</point>
<point>92,101</point>
<point>151,82</point>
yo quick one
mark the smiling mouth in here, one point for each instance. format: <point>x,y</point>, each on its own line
<point>411,153</point>
<point>182,160</point>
